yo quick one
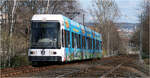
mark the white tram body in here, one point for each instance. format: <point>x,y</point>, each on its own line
<point>44,54</point>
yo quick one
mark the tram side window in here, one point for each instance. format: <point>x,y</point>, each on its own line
<point>67,38</point>
<point>72,40</point>
<point>76,40</point>
<point>93,43</point>
<point>63,38</point>
<point>87,47</point>
<point>89,43</point>
<point>101,44</point>
<point>65,34</point>
<point>97,45</point>
<point>79,40</point>
<point>83,42</point>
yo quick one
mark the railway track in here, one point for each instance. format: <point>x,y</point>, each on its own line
<point>68,73</point>
<point>105,67</point>
<point>108,71</point>
<point>10,72</point>
<point>102,71</point>
<point>113,69</point>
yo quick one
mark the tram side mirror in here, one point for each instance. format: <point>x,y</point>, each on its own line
<point>26,31</point>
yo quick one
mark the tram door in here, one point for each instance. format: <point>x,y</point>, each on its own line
<point>93,48</point>
<point>83,47</point>
<point>69,46</point>
<point>75,48</point>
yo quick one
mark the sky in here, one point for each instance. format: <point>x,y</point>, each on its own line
<point>129,9</point>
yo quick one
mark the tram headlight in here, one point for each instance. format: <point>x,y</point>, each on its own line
<point>32,52</point>
<point>54,52</point>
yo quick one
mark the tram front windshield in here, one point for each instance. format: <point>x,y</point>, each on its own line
<point>45,35</point>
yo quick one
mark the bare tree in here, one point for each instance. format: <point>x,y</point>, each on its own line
<point>106,12</point>
<point>23,12</point>
<point>141,36</point>
<point>145,24</point>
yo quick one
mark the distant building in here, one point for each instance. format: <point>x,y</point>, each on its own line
<point>126,31</point>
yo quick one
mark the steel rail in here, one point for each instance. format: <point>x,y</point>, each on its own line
<point>104,75</point>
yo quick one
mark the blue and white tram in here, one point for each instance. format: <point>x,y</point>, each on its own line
<point>57,38</point>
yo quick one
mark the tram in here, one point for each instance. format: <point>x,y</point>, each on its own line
<point>56,38</point>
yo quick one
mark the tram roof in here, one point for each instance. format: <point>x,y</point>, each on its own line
<point>45,17</point>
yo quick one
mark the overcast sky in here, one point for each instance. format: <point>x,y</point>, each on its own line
<point>129,9</point>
